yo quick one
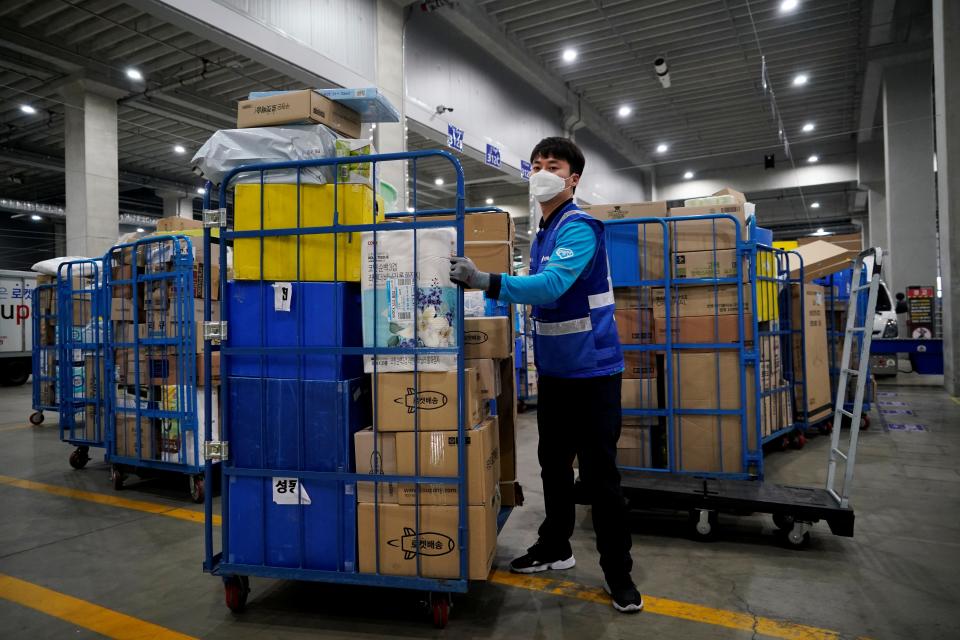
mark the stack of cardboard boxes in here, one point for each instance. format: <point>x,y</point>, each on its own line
<point>47,340</point>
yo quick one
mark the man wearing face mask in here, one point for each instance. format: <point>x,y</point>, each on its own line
<point>579,364</point>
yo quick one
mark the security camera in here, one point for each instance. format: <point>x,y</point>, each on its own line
<point>442,108</point>
<point>663,73</point>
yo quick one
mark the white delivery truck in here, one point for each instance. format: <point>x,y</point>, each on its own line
<point>16,326</point>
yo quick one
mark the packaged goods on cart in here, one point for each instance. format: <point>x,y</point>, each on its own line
<point>294,107</point>
<point>177,438</point>
<point>430,402</point>
<point>488,337</point>
<point>398,312</point>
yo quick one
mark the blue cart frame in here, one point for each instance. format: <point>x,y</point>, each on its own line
<point>44,367</point>
<point>235,575</point>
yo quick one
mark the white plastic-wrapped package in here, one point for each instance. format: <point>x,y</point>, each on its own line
<point>393,306</point>
<point>51,266</point>
<point>228,149</point>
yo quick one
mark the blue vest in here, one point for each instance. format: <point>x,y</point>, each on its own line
<point>576,335</point>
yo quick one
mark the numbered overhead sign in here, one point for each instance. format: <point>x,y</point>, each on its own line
<point>493,155</point>
<point>524,169</point>
<point>454,137</point>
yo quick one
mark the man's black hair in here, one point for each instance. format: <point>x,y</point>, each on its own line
<point>561,149</point>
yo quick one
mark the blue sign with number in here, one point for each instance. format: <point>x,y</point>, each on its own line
<point>524,169</point>
<point>493,155</point>
<point>454,137</point>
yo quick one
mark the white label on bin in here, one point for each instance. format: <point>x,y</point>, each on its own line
<point>289,491</point>
<point>282,296</point>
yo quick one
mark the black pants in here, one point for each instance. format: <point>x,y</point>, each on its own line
<point>581,417</point>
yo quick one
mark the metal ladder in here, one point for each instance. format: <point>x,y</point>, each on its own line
<point>865,335</point>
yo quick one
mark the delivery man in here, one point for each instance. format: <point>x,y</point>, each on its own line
<point>579,363</point>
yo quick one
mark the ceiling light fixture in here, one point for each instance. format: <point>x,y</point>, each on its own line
<point>788,5</point>
<point>662,148</point>
<point>140,229</point>
<point>808,127</point>
<point>569,55</point>
<point>27,109</point>
<point>814,158</point>
<point>814,205</point>
<point>178,148</point>
<point>36,218</point>
<point>820,232</point>
<point>134,74</point>
<point>800,79</point>
<point>489,201</point>
<point>624,111</point>
<point>201,191</point>
<point>688,175</point>
<point>438,182</point>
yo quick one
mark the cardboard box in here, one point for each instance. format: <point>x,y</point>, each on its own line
<point>707,300</point>
<point>692,329</point>
<point>479,227</point>
<point>709,264</point>
<point>487,337</point>
<point>436,396</point>
<point>820,258</point>
<point>127,427</point>
<point>80,310</point>
<point>635,251</point>
<point>654,209</point>
<point>294,107</point>
<point>507,419</point>
<point>634,326</point>
<point>640,393</point>
<point>632,297</point>
<point>639,364</point>
<point>702,235</point>
<point>122,310</point>
<point>511,493</point>
<point>491,257</point>
<point>488,373</point>
<point>634,448</point>
<point>383,461</point>
<point>177,223</point>
<point>438,457</point>
<point>819,391</point>
<point>436,543</point>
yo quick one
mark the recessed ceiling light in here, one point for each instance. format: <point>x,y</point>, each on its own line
<point>139,229</point>
<point>814,205</point>
<point>820,232</point>
<point>27,109</point>
<point>662,148</point>
<point>808,127</point>
<point>134,74</point>
<point>529,232</point>
<point>800,79</point>
<point>788,5</point>
<point>688,175</point>
<point>489,200</point>
<point>36,218</point>
<point>569,55</point>
<point>813,158</point>
<point>201,191</point>
<point>438,182</point>
<point>624,111</point>
<point>178,148</point>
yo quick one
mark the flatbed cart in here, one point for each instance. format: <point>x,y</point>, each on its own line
<point>46,390</point>
<point>80,356</point>
<point>153,413</point>
<point>287,514</point>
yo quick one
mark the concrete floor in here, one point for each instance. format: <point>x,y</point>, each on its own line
<point>898,578</point>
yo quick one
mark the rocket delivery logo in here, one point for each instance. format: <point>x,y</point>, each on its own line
<point>427,543</point>
<point>424,400</point>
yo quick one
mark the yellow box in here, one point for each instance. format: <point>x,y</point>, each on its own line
<point>768,305</point>
<point>355,206</point>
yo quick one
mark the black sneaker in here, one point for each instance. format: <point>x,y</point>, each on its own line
<point>626,598</point>
<point>537,559</point>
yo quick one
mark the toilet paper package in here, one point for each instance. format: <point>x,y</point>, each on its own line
<point>393,304</point>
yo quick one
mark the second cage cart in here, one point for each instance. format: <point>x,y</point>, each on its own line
<point>46,389</point>
<point>294,393</point>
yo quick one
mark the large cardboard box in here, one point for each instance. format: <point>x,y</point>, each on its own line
<point>355,205</point>
<point>436,395</point>
<point>640,393</point>
<point>632,297</point>
<point>488,377</point>
<point>716,329</point>
<point>819,392</point>
<point>635,326</point>
<point>636,251</point>
<point>127,428</point>
<point>491,257</point>
<point>176,223</point>
<point>707,300</point>
<point>487,337</point>
<point>435,544</point>
<point>702,235</point>
<point>634,448</point>
<point>708,264</point>
<point>292,107</point>
<point>438,456</point>
<point>819,259</point>
<point>494,226</point>
<point>639,364</point>
<point>654,209</point>
<point>383,461</point>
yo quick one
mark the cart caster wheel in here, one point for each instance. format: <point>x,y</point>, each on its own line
<point>783,522</point>
<point>196,488</point>
<point>798,441</point>
<point>825,429</point>
<point>36,418</point>
<point>798,536</point>
<point>441,610</point>
<point>117,478</point>
<point>79,458</point>
<point>235,591</point>
<point>704,525</point>
<point>864,422</point>
<point>784,443</point>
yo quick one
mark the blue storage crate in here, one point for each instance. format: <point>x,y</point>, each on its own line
<point>266,415</point>
<point>763,236</point>
<point>319,535</point>
<point>623,251</point>
<point>331,318</point>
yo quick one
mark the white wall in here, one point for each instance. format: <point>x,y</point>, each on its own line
<point>604,178</point>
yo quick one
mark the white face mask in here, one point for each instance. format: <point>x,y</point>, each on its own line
<point>545,186</point>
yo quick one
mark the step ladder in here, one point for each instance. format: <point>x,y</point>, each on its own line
<point>861,308</point>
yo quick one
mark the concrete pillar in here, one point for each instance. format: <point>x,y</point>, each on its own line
<point>870,174</point>
<point>908,158</point>
<point>91,167</point>
<point>175,204</point>
<point>946,65</point>
<point>877,208</point>
<point>391,137</point>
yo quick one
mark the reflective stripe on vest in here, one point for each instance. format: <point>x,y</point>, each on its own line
<point>598,300</point>
<point>577,325</point>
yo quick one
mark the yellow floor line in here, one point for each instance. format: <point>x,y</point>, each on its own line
<point>955,399</point>
<point>658,606</point>
<point>672,608</point>
<point>113,501</point>
<point>106,622</point>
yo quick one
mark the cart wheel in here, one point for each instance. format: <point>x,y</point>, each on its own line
<point>441,609</point>
<point>825,428</point>
<point>797,536</point>
<point>704,529</point>
<point>196,488</point>
<point>798,441</point>
<point>782,521</point>
<point>784,443</point>
<point>79,458</point>
<point>235,590</point>
<point>36,418</point>
<point>864,422</point>
<point>117,477</point>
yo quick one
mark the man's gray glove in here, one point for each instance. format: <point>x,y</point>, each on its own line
<point>466,274</point>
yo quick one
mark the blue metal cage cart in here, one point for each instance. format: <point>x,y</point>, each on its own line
<point>526,372</point>
<point>80,356</point>
<point>46,388</point>
<point>294,394</point>
<point>154,401</point>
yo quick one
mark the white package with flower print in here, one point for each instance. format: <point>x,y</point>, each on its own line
<point>398,314</point>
